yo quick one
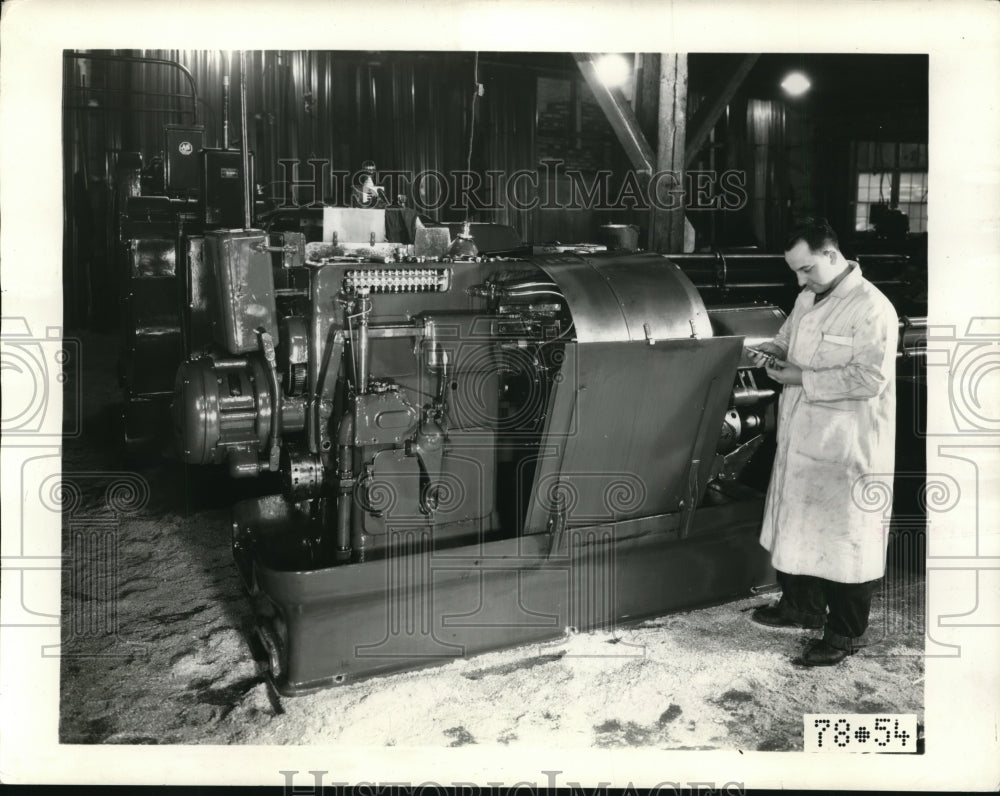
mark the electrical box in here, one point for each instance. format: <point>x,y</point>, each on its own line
<point>182,159</point>
<point>222,188</point>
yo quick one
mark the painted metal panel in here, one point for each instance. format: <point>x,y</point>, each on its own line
<point>652,416</point>
<point>245,283</point>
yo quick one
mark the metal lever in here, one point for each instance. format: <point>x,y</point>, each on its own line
<point>427,447</point>
<point>428,495</point>
<point>274,434</point>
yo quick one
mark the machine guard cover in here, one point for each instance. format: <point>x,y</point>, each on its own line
<point>652,416</point>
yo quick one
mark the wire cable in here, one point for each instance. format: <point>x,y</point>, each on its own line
<point>472,112</point>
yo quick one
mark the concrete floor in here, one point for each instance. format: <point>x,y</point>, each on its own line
<point>179,668</point>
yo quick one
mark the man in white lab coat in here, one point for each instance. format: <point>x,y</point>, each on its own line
<point>835,356</point>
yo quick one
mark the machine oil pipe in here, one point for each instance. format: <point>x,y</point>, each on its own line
<point>225,111</point>
<point>244,151</point>
<point>345,490</point>
<point>361,368</point>
<point>274,427</point>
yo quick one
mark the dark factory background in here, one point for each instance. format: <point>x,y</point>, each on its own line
<point>857,140</point>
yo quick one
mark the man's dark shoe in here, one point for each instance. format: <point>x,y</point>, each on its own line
<point>773,616</point>
<point>822,653</point>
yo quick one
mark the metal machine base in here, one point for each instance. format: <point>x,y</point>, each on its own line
<point>420,605</point>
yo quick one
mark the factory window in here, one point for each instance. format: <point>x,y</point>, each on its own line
<point>890,176</point>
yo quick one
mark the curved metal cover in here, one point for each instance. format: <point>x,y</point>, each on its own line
<point>614,298</point>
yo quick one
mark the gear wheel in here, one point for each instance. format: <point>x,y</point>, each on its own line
<point>295,379</point>
<point>293,354</point>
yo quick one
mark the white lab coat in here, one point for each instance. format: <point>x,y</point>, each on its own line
<point>836,428</point>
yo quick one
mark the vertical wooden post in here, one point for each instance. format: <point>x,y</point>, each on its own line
<point>666,228</point>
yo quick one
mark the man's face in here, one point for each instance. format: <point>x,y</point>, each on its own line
<point>814,270</point>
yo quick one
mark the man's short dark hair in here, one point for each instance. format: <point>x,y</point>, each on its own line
<point>816,232</point>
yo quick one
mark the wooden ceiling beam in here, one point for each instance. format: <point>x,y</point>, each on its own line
<point>620,115</point>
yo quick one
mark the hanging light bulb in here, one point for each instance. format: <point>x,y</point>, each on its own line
<point>796,84</point>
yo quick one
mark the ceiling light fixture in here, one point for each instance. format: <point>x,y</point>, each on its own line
<point>613,69</point>
<point>796,84</point>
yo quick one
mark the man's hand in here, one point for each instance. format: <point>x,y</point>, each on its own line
<point>770,349</point>
<point>784,372</point>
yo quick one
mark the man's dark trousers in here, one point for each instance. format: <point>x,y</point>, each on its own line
<point>805,598</point>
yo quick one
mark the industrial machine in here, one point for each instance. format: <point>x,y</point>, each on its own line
<point>474,454</point>
<point>476,451</point>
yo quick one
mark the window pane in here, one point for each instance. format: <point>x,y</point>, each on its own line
<point>861,217</point>
<point>912,186</point>
<point>890,172</point>
<point>918,217</point>
<point>874,187</point>
<point>885,156</point>
<point>913,156</point>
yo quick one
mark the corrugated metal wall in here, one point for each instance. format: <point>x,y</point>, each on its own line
<point>405,111</point>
